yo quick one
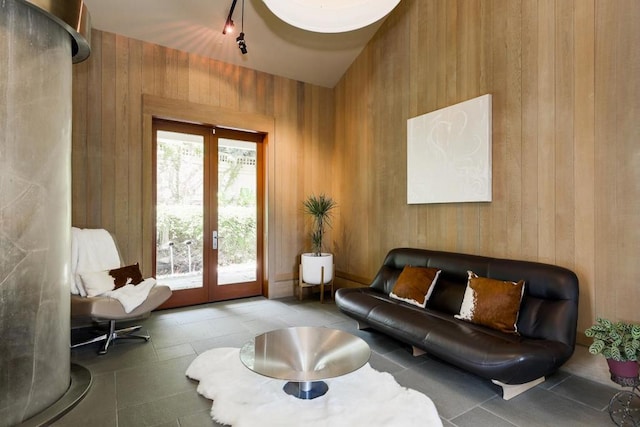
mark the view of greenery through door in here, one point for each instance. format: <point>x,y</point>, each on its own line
<point>180,210</point>
<point>237,211</point>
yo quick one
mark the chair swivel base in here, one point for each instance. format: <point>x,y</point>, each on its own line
<point>112,335</point>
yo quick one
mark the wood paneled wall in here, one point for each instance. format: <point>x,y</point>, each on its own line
<point>565,79</point>
<point>112,152</point>
<point>566,128</point>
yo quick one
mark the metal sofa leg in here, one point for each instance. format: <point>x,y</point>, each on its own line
<point>362,325</point>
<point>510,391</point>
<point>417,351</point>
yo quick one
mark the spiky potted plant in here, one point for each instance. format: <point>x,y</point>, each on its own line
<point>619,343</point>
<point>317,266</point>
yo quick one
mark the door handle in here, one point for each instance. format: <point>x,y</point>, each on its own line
<point>214,239</point>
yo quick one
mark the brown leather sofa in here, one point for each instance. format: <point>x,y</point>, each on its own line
<point>546,322</point>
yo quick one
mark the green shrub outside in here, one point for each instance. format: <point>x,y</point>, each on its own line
<point>179,224</point>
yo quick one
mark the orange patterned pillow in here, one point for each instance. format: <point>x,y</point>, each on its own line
<point>415,284</point>
<point>492,303</point>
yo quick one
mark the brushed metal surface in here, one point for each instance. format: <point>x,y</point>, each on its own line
<point>35,164</point>
<point>73,16</point>
<point>305,353</point>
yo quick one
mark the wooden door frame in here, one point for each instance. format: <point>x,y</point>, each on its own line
<point>231,291</point>
<point>184,111</point>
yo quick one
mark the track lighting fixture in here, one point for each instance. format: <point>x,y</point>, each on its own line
<point>228,27</point>
<point>228,24</point>
<point>240,40</point>
<point>241,44</point>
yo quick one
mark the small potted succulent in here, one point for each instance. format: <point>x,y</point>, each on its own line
<point>619,343</point>
<point>317,266</point>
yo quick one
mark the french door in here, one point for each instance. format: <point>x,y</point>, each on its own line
<point>209,212</point>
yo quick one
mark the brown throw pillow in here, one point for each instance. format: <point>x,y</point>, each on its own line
<point>123,274</point>
<point>415,284</point>
<point>492,303</point>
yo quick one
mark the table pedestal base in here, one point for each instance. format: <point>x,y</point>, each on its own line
<point>306,390</point>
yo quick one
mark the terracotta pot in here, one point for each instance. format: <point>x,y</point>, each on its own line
<point>626,369</point>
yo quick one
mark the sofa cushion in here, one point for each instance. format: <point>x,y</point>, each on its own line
<point>415,284</point>
<point>492,303</point>
<point>447,295</point>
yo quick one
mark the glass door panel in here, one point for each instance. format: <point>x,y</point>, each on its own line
<point>237,211</point>
<point>180,164</point>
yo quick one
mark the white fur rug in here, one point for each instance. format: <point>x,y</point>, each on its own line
<point>365,397</point>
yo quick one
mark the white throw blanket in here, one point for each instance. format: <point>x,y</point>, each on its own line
<point>92,250</point>
<point>131,296</point>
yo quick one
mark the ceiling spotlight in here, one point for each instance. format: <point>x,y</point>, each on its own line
<point>228,24</point>
<point>241,43</point>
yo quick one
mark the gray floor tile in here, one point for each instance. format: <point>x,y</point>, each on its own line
<point>555,379</point>
<point>404,357</point>
<point>173,423</point>
<point>214,328</point>
<point>587,392</point>
<point>175,351</point>
<point>307,315</point>
<point>378,342</point>
<point>478,417</point>
<point>161,318</point>
<point>270,311</point>
<point>260,326</point>
<point>199,313</point>
<point>454,392</point>
<point>98,408</point>
<point>347,325</point>
<point>540,408</point>
<point>144,384</point>
<point>384,364</point>
<point>198,419</point>
<point>154,381</point>
<point>121,354</point>
<point>164,410</point>
<point>169,335</point>
<point>198,330</point>
<point>232,340</point>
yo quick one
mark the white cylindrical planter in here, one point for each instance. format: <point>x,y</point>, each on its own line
<point>312,268</point>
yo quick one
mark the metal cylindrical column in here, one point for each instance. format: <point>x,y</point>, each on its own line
<point>35,209</point>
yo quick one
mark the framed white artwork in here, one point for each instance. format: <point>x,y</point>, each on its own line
<point>449,154</point>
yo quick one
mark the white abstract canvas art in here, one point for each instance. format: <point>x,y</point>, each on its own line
<point>449,154</point>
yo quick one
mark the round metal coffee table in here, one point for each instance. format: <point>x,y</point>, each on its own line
<point>305,356</point>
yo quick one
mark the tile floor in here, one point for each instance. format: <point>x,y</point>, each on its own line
<point>144,384</point>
